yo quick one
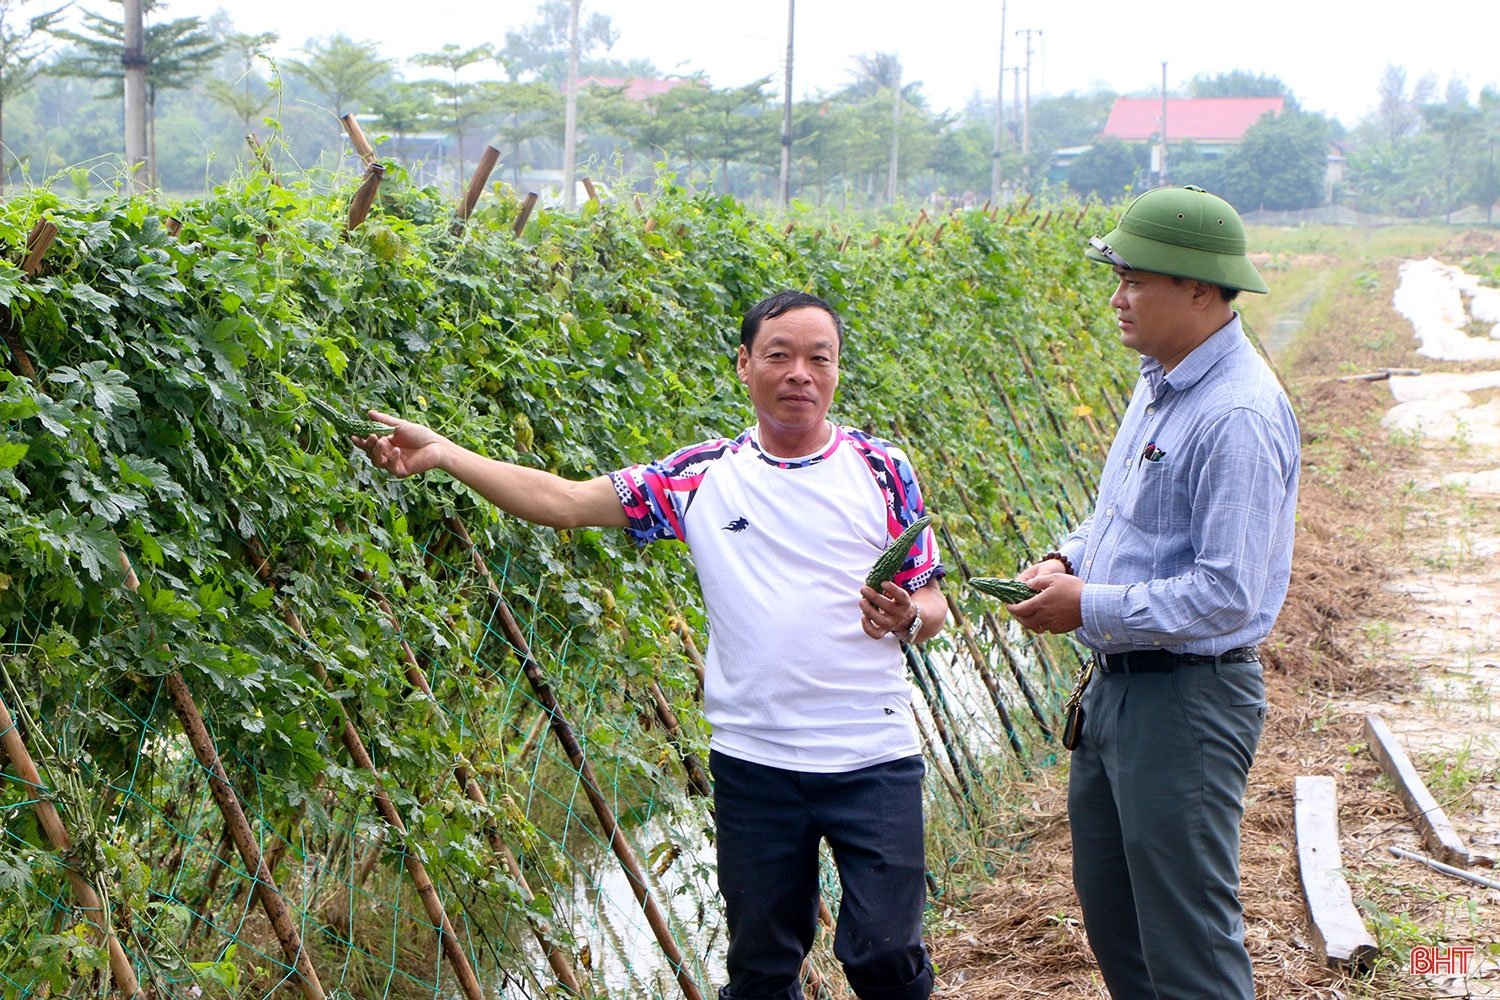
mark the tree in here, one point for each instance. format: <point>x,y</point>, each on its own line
<point>1240,83</point>
<point>1485,187</point>
<point>1106,169</point>
<point>1280,164</point>
<point>245,96</point>
<point>1454,124</point>
<point>540,50</point>
<point>457,95</point>
<point>177,53</point>
<point>21,48</point>
<point>346,73</point>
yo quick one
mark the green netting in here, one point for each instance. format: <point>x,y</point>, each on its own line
<point>531,716</point>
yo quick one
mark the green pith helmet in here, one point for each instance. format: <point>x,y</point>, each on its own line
<point>1183,232</point>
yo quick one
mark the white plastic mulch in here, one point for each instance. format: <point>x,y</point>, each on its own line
<point>1443,303</point>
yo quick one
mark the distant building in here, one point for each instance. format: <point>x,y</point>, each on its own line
<point>1213,124</point>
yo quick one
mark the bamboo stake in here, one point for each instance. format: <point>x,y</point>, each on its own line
<point>359,207</point>
<point>392,816</point>
<point>960,774</point>
<point>690,646</point>
<point>236,822</point>
<point>244,838</point>
<point>448,937</point>
<point>525,214</point>
<point>89,902</point>
<point>588,187</point>
<point>562,729</point>
<point>362,147</point>
<point>37,244</point>
<point>698,782</point>
<point>486,166</point>
<point>927,745</point>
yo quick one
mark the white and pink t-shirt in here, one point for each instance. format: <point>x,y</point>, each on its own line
<point>782,547</point>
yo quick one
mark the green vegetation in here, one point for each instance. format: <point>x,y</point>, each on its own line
<point>298,595</point>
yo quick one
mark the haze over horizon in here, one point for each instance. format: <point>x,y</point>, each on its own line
<point>1331,55</point>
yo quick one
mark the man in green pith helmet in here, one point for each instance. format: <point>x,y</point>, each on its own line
<point>1173,581</point>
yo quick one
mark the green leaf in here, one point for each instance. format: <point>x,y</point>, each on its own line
<point>11,452</point>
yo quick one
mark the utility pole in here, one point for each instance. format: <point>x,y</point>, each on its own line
<point>1162,173</point>
<point>890,187</point>
<point>134,61</point>
<point>570,116</point>
<point>786,111</point>
<point>1026,120</point>
<point>999,116</point>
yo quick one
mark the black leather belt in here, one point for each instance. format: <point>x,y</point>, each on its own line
<point>1157,661</point>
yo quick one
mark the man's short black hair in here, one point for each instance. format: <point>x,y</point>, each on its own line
<point>783,302</point>
<point>1225,293</point>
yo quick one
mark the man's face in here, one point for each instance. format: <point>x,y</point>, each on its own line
<point>791,372</point>
<point>1155,313</point>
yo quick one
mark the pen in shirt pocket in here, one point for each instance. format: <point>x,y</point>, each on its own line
<point>1152,453</point>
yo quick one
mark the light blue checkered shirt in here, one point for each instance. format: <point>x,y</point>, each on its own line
<point>1190,545</point>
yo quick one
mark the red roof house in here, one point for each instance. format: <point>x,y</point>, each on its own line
<point>1204,120</point>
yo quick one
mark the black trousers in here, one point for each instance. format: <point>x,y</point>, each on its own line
<point>770,822</point>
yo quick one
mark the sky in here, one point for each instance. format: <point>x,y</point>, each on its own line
<point>1331,53</point>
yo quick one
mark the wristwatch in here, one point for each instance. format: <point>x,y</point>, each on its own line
<point>914,629</point>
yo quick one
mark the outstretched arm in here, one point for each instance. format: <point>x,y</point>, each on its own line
<point>530,494</point>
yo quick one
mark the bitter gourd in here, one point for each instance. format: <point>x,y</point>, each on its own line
<point>895,554</point>
<point>347,425</point>
<point>1009,591</point>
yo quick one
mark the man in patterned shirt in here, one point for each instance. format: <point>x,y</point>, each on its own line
<point>813,735</point>
<point>1173,581</point>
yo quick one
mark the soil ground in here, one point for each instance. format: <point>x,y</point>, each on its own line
<point>1394,608</point>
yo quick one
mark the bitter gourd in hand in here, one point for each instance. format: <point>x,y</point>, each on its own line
<point>895,554</point>
<point>347,425</point>
<point>1009,591</point>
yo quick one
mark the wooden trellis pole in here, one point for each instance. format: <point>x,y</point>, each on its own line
<point>562,729</point>
<point>525,214</point>
<point>935,707</point>
<point>588,186</point>
<point>355,744</point>
<point>359,207</point>
<point>698,782</point>
<point>481,178</point>
<point>236,822</point>
<point>362,147</point>
<point>364,197</point>
<point>51,822</point>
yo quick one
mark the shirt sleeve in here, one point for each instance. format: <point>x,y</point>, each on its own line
<point>656,496</point>
<point>1076,544</point>
<point>905,504</point>
<point>1244,476</point>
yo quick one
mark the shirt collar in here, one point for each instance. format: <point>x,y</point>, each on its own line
<point>1197,364</point>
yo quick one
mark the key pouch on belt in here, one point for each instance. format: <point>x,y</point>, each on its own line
<point>1073,717</point>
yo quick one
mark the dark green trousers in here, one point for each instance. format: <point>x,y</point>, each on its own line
<point>1155,799</point>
